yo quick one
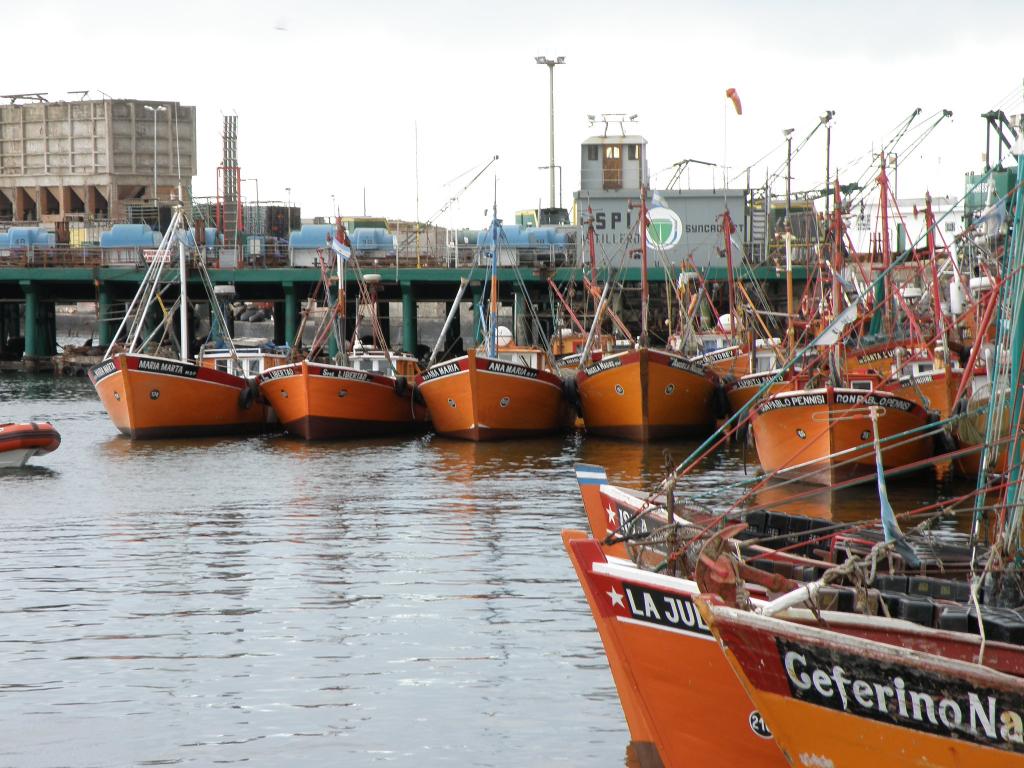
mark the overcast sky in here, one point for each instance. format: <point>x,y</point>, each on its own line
<point>331,95</point>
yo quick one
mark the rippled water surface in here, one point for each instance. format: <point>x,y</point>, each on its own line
<point>271,602</point>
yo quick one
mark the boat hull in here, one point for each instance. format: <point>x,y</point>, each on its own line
<point>969,433</point>
<point>151,397</point>
<point>837,700</point>
<point>935,390</point>
<point>611,510</point>
<point>479,398</point>
<point>745,388</point>
<point>879,359</point>
<point>640,730</point>
<point>325,402</point>
<point>679,690</point>
<point>20,442</point>
<point>731,361</point>
<point>799,433</point>
<point>645,395</point>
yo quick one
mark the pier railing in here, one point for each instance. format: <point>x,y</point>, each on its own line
<point>220,257</point>
<point>66,256</point>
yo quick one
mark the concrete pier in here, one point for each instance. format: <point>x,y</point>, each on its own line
<point>32,292</point>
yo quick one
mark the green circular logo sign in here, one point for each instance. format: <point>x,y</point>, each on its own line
<point>664,228</point>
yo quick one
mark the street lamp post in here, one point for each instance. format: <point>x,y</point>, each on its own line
<point>154,110</point>
<point>257,218</point>
<point>788,133</point>
<point>257,183</point>
<point>826,120</point>
<point>550,64</point>
<point>544,168</point>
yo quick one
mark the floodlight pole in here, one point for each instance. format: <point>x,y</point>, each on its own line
<point>550,64</point>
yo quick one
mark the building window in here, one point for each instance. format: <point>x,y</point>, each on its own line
<point>632,151</point>
<point>592,152</point>
<point>951,226</point>
<point>612,153</point>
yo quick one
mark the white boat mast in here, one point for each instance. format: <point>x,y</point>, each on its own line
<point>183,307</point>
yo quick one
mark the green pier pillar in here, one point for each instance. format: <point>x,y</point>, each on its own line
<point>291,312</point>
<point>12,325</point>
<point>522,328</point>
<point>32,334</point>
<point>105,326</point>
<point>46,339</point>
<point>279,336</point>
<point>410,331</point>
<point>332,346</point>
<point>384,319</point>
<point>332,339</point>
<point>477,336</point>
<point>348,323</point>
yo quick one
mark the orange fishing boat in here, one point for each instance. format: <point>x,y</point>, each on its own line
<point>934,388</point>
<point>152,397</point>
<point>880,359</point>
<point>825,435</point>
<point>633,709</point>
<point>498,392</point>
<point>969,431</point>
<point>728,361</point>
<point>745,388</point>
<point>674,683</point>
<point>650,638</point>
<point>646,394</point>
<point>568,350</point>
<point>319,401</point>
<point>20,442</point>
<point>735,362</point>
<point>482,397</point>
<point>944,689</point>
<point>150,394</point>
<point>878,692</point>
<point>609,508</point>
<point>362,393</point>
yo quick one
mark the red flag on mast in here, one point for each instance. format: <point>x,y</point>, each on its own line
<point>731,94</point>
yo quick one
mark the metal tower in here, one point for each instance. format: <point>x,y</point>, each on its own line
<point>229,184</point>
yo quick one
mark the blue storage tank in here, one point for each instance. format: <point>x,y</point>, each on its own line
<point>547,236</point>
<point>517,236</point>
<point>130,236</point>
<point>310,236</point>
<point>513,235</point>
<point>372,239</point>
<point>26,237</point>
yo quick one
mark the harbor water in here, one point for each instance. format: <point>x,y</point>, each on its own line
<point>265,601</point>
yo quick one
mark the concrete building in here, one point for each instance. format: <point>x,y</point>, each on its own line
<point>906,223</point>
<point>685,225</point>
<point>81,160</point>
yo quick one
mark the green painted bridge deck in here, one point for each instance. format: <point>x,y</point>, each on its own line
<point>40,288</point>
